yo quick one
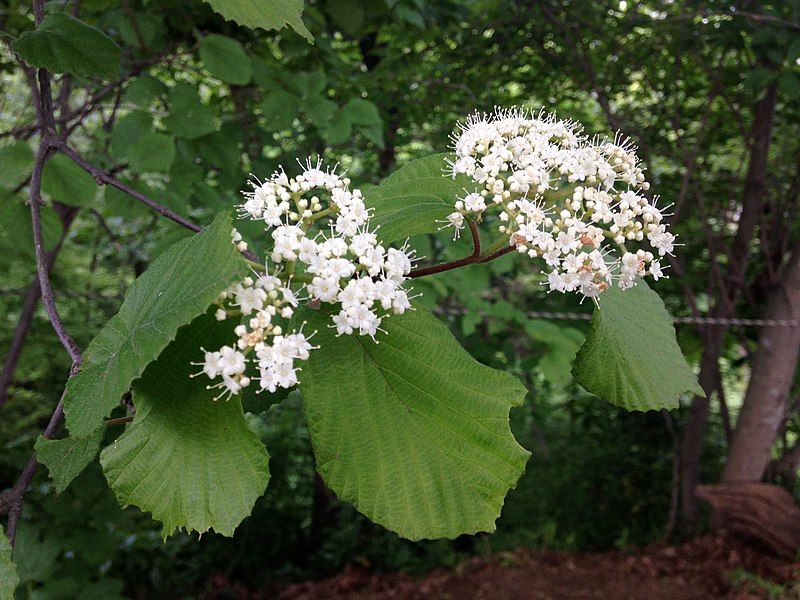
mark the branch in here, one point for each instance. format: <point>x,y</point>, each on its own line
<point>35,201</point>
<point>12,503</point>
<point>105,178</point>
<point>26,318</point>
<point>497,254</point>
<point>455,264</point>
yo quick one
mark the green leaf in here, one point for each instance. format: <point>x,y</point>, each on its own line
<point>412,199</point>
<point>178,286</point>
<point>267,14</point>
<point>119,204</point>
<point>148,31</point>
<point>338,129</point>
<point>190,461</point>
<point>17,164</point>
<point>373,133</point>
<point>128,129</point>
<point>16,234</point>
<point>310,83</point>
<point>68,457</point>
<point>412,430</point>
<point>142,91</point>
<point>8,572</point>
<point>347,14</point>
<point>789,84</point>
<point>34,554</point>
<point>280,109</point>
<point>362,112</point>
<point>225,59</point>
<point>63,44</point>
<point>189,118</point>
<point>319,109</point>
<point>631,357</point>
<point>564,343</point>
<point>153,152</point>
<point>66,182</point>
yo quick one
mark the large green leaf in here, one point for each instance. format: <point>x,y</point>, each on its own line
<point>17,161</point>
<point>631,357</point>
<point>8,572</point>
<point>67,458</point>
<point>64,44</point>
<point>225,59</point>
<point>178,286</point>
<point>190,461</point>
<point>66,182</point>
<point>412,430</point>
<point>267,14</point>
<point>412,199</point>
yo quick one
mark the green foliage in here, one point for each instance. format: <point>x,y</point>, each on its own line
<point>129,128</point>
<point>358,114</point>
<point>225,59</point>
<point>279,108</point>
<point>395,77</point>
<point>8,572</point>
<point>68,457</point>
<point>266,14</point>
<point>412,199</point>
<point>152,152</point>
<point>631,357</point>
<point>412,430</point>
<point>563,344</point>
<point>190,461</point>
<point>176,288</point>
<point>189,118</point>
<point>64,44</point>
<point>16,237</point>
<point>34,556</point>
<point>17,161</point>
<point>66,182</point>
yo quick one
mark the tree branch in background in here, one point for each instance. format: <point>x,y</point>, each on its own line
<point>26,317</point>
<point>12,502</point>
<point>105,178</point>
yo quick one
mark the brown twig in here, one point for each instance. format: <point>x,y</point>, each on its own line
<point>103,177</point>
<point>455,264</point>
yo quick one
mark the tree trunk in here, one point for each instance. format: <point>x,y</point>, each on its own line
<point>767,399</point>
<point>753,195</point>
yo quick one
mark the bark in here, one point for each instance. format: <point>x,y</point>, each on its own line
<point>752,202</point>
<point>766,401</point>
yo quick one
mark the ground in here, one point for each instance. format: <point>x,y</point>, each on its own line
<point>705,568</point>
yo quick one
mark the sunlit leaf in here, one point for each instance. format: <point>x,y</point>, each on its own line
<point>190,461</point>
<point>631,357</point>
<point>412,430</point>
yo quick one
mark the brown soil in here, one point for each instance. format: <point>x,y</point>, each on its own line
<point>705,568</point>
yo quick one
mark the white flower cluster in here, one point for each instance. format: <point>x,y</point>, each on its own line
<point>572,201</point>
<point>323,251</point>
